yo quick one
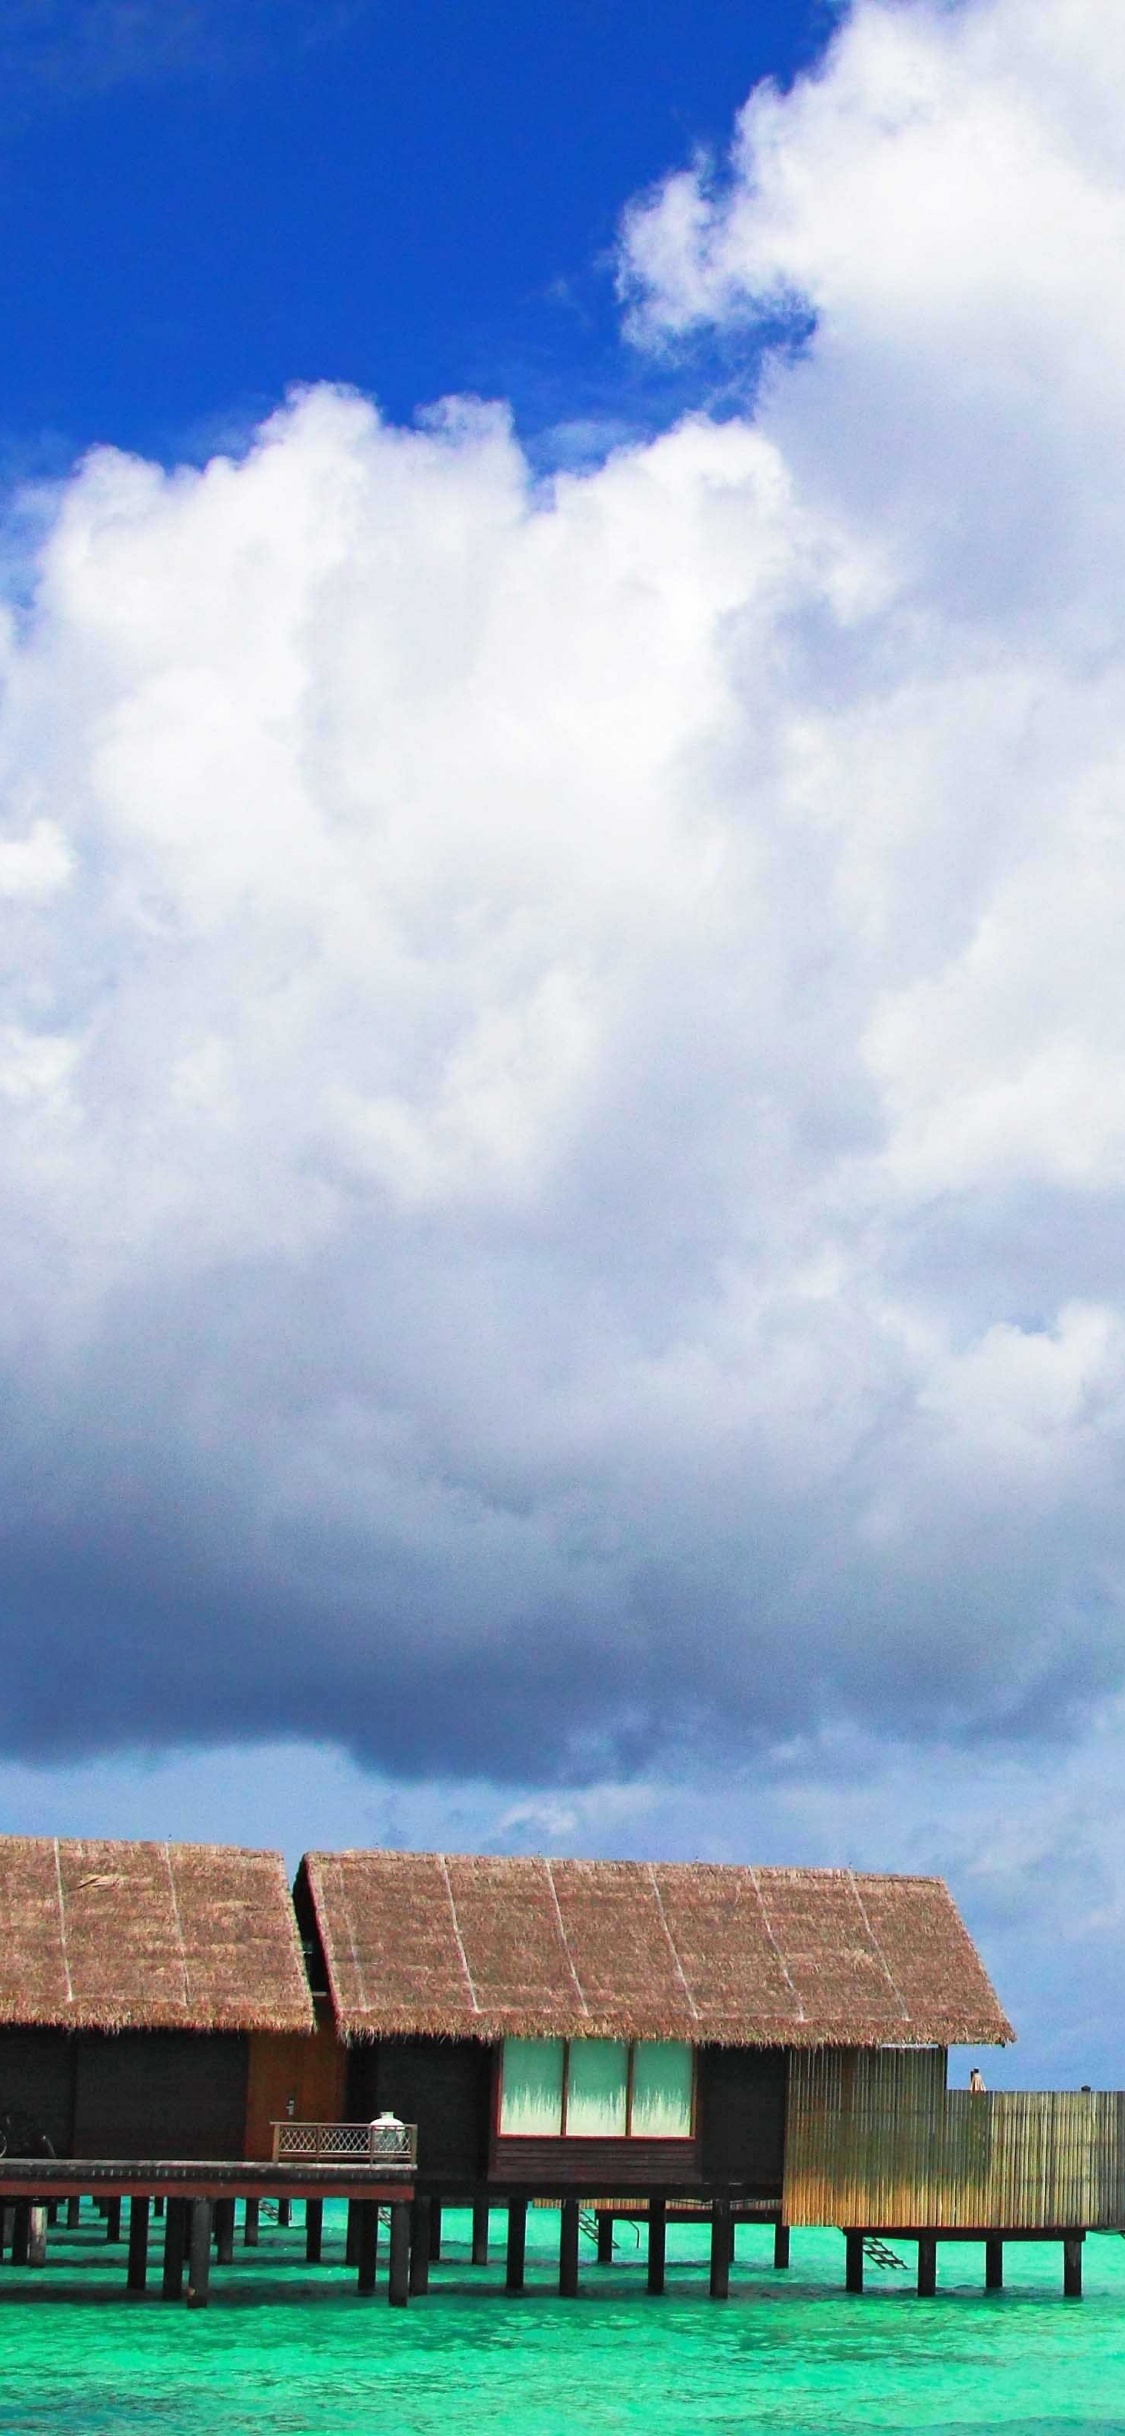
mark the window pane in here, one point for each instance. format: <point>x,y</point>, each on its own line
<point>531,2089</point>
<point>661,2090</point>
<point>596,2087</point>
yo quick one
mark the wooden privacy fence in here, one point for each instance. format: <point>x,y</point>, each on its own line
<point>875,2139</point>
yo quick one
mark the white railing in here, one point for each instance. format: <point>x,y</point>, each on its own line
<point>345,2143</point>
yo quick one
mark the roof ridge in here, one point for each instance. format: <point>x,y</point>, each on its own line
<point>443,1863</point>
<point>563,1935</point>
<point>767,1924</point>
<point>62,1924</point>
<point>866,1918</point>
<point>166,1849</point>
<point>680,1971</point>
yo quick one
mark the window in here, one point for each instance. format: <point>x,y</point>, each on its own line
<point>596,2089</point>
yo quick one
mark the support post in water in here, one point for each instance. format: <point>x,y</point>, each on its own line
<point>113,2220</point>
<point>314,2231</point>
<point>21,2233</point>
<point>136,2273</point>
<point>224,2232</point>
<point>37,2234</point>
<point>73,2215</point>
<point>568,2249</point>
<point>351,2245</point>
<point>927,2266</point>
<point>517,2244</point>
<point>657,2242</point>
<point>175,2236</point>
<point>480,2232</point>
<point>605,2237</point>
<point>1072,2267</point>
<point>435,2229</point>
<point>420,2225</point>
<point>781,2245</point>
<point>853,2270</point>
<point>250,2224</point>
<point>199,2260</point>
<point>365,2228</point>
<point>398,2268</point>
<point>994,2263</point>
<point>284,2211</point>
<point>720,2249</point>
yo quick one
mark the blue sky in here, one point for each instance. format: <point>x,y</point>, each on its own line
<point>562,1164</point>
<point>204,204</point>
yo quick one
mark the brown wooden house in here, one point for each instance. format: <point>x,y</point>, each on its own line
<point>153,2001</point>
<point>589,2026</point>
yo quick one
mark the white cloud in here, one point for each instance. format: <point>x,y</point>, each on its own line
<point>564,1150</point>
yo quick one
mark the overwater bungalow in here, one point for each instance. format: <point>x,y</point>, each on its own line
<point>415,2030</point>
<point>767,2042</point>
<point>153,2000</point>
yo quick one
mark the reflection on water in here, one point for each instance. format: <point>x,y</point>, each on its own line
<point>286,2350</point>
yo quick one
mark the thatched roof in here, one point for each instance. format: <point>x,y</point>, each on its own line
<point>444,1945</point>
<point>115,1936</point>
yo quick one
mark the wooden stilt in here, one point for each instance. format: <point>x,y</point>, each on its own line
<point>657,2243</point>
<point>720,2249</point>
<point>175,2240</point>
<point>136,2273</point>
<point>605,2238</point>
<point>351,2246</point>
<point>994,2263</point>
<point>927,2266</point>
<point>37,2234</point>
<point>435,2228</point>
<point>398,2271</point>
<point>158,2207</point>
<point>73,2215</point>
<point>250,2224</point>
<point>420,2222</point>
<point>52,2213</point>
<point>1072,2267</point>
<point>480,2232</point>
<point>853,2273</point>
<point>113,2220</point>
<point>517,2244</point>
<point>284,2211</point>
<point>314,2231</point>
<point>781,2245</point>
<point>199,2257</point>
<point>568,2249</point>
<point>21,2233</point>
<point>366,2244</point>
<point>7,2228</point>
<point>224,2232</point>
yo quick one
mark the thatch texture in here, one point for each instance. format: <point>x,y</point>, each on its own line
<point>444,1945</point>
<point>115,1936</point>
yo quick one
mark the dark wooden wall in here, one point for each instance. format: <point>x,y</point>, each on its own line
<point>741,2095</point>
<point>37,2090</point>
<point>160,2093</point>
<point>442,2085</point>
<point>139,2093</point>
<point>445,2086</point>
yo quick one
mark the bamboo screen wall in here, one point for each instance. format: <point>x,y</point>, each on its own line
<point>876,2139</point>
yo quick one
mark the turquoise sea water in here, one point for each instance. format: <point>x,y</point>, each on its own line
<point>287,2350</point>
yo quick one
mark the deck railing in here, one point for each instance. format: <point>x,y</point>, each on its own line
<point>345,2143</point>
<point>876,2139</point>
